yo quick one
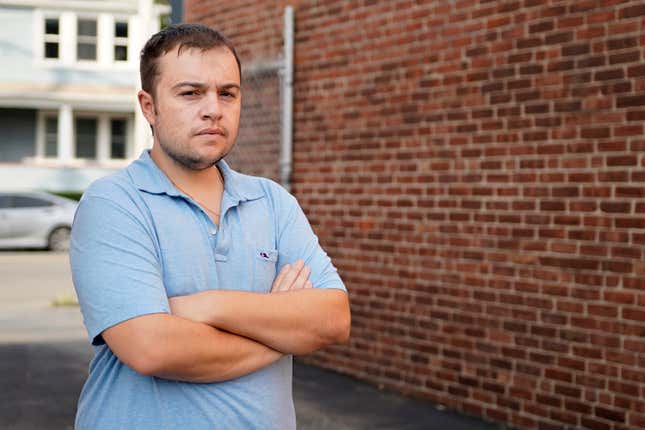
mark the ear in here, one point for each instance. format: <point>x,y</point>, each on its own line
<point>147,105</point>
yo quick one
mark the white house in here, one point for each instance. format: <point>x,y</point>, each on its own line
<point>68,83</point>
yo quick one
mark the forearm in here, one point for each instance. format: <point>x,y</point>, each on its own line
<point>293,322</point>
<point>174,348</point>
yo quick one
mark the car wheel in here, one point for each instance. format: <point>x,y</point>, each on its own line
<point>59,239</point>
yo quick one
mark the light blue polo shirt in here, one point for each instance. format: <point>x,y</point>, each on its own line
<point>137,240</point>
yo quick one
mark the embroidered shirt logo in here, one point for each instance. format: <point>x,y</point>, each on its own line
<point>264,255</point>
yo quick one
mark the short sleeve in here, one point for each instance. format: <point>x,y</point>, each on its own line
<point>296,240</point>
<point>115,267</point>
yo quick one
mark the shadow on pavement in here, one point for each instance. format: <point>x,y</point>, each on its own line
<point>326,400</point>
<point>41,383</point>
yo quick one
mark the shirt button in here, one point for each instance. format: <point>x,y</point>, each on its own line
<point>212,231</point>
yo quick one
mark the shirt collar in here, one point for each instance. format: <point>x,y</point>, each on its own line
<point>149,178</point>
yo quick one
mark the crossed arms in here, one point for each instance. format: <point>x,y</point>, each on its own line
<point>219,335</point>
<point>205,337</point>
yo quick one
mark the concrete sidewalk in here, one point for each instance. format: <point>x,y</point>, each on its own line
<point>326,400</point>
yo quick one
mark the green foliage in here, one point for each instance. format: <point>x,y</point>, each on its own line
<point>164,20</point>
<point>74,195</point>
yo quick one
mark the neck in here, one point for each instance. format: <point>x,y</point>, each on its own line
<point>188,180</point>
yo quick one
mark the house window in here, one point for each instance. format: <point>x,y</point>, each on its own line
<point>86,39</point>
<point>120,41</point>
<point>117,138</point>
<point>86,136</point>
<point>51,136</point>
<point>52,37</point>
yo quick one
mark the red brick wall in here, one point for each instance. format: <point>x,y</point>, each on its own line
<point>476,169</point>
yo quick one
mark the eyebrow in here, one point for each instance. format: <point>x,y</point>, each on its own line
<point>203,85</point>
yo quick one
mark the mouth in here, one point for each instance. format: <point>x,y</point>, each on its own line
<point>211,132</point>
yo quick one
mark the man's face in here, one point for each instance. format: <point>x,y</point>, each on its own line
<point>195,108</point>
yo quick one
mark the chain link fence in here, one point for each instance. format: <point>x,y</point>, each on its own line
<point>257,151</point>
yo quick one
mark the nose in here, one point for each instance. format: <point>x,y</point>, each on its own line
<point>211,108</point>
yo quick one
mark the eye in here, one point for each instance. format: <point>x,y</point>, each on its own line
<point>227,94</point>
<point>189,93</point>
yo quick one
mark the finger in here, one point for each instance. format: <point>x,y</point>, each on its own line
<point>309,284</point>
<point>291,275</point>
<point>301,279</point>
<point>172,301</point>
<point>287,279</point>
<point>280,278</point>
<point>279,283</point>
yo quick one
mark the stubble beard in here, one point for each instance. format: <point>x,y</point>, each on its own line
<point>184,156</point>
<point>186,159</point>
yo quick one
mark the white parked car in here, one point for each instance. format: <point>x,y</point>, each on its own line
<point>35,220</point>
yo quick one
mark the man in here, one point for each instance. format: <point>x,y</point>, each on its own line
<point>174,260</point>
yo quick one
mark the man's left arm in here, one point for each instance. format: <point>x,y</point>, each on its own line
<point>291,320</point>
<point>298,321</point>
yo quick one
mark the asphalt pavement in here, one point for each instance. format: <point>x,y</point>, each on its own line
<point>44,356</point>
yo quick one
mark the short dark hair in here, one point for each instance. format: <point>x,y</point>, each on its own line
<point>186,36</point>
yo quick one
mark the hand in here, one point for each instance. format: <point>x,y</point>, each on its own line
<point>189,307</point>
<point>292,277</point>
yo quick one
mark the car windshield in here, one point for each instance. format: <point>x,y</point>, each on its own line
<point>30,202</point>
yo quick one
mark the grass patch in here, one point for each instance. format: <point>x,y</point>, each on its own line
<point>64,301</point>
<point>74,195</point>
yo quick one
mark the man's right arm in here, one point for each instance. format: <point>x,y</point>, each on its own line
<point>119,283</point>
<point>174,348</point>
